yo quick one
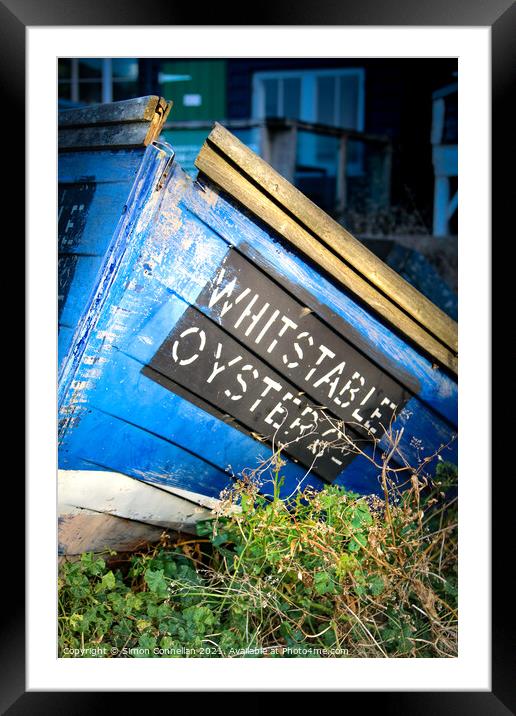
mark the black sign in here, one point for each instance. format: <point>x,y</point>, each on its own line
<point>252,351</point>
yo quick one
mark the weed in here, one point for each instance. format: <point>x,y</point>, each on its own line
<point>330,573</point>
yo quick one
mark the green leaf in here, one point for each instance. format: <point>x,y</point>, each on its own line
<point>90,565</point>
<point>76,621</point>
<point>142,624</point>
<point>200,620</point>
<point>361,517</point>
<point>155,580</point>
<point>323,583</point>
<point>357,542</point>
<point>107,582</point>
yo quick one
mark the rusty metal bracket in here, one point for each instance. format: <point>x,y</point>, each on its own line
<point>166,169</point>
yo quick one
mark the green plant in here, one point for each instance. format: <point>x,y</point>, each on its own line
<point>328,573</point>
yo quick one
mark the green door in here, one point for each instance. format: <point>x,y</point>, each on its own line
<point>198,90</point>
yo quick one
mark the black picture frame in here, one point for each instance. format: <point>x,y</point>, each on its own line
<point>500,15</point>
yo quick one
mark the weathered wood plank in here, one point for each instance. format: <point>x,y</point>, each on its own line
<point>169,446</point>
<point>93,190</point>
<point>135,134</point>
<point>134,123</point>
<point>335,236</point>
<point>64,341</point>
<point>90,205</point>
<point>140,109</point>
<point>214,166</point>
<point>81,530</point>
<point>123,496</point>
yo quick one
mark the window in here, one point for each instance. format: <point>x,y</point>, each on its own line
<point>282,97</point>
<point>334,97</point>
<point>88,80</point>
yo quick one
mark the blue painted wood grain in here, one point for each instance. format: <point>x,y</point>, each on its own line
<point>109,165</point>
<point>164,251</point>
<point>111,173</point>
<point>64,340</point>
<point>86,270</point>
<point>108,443</point>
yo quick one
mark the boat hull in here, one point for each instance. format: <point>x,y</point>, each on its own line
<point>210,345</point>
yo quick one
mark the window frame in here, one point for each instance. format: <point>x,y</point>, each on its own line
<point>308,98</point>
<point>106,79</point>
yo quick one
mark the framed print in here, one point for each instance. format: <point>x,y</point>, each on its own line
<point>479,41</point>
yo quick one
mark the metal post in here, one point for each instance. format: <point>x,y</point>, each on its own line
<point>441,201</point>
<point>341,180</point>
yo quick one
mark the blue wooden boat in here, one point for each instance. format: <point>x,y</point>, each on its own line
<point>231,320</point>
